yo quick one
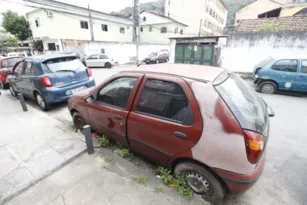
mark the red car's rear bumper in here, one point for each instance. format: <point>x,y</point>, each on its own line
<point>239,183</point>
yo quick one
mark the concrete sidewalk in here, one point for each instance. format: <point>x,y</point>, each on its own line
<point>32,146</point>
<point>96,181</point>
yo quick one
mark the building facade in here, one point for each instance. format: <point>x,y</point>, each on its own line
<point>203,17</point>
<point>61,28</point>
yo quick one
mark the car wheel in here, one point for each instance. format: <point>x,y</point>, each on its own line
<point>108,65</point>
<point>78,120</point>
<point>166,60</point>
<point>268,87</point>
<point>157,62</point>
<point>202,182</point>
<point>42,102</point>
<point>12,91</point>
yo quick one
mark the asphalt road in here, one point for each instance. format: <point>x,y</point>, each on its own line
<point>285,174</point>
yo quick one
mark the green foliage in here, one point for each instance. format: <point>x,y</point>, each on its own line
<point>159,189</point>
<point>124,153</point>
<point>271,27</point>
<point>8,41</point>
<point>107,159</point>
<point>15,24</point>
<point>104,141</point>
<point>140,180</point>
<point>183,188</point>
<point>176,182</point>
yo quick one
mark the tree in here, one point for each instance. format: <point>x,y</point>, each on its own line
<point>8,41</point>
<point>16,25</point>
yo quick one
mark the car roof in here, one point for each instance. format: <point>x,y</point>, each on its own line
<point>195,72</point>
<point>279,57</point>
<point>42,58</point>
<point>4,58</point>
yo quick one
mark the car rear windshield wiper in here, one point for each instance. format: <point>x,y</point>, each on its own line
<point>66,71</point>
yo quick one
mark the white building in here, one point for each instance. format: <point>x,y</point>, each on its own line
<point>202,16</point>
<point>61,26</point>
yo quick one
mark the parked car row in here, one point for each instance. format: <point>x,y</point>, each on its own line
<point>204,123</point>
<point>157,57</point>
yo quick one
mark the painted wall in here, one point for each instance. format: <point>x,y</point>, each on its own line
<point>244,50</point>
<point>120,52</point>
<point>67,26</point>
<point>155,36</point>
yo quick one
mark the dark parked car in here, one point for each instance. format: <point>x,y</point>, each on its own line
<point>204,123</point>
<point>284,74</point>
<point>157,57</point>
<point>6,67</point>
<point>50,79</point>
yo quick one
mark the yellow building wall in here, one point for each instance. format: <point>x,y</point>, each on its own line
<point>291,11</point>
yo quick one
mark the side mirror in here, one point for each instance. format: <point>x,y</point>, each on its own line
<point>271,113</point>
<point>89,99</point>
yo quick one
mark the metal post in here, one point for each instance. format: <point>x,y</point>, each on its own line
<point>91,23</point>
<point>137,27</point>
<point>88,138</point>
<point>22,102</point>
<point>200,24</point>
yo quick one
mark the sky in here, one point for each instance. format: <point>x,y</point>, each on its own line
<point>100,5</point>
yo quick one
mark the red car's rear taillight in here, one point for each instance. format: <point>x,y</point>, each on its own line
<point>89,72</point>
<point>46,81</point>
<point>254,145</point>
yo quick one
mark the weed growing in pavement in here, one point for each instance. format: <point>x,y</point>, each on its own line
<point>140,180</point>
<point>159,189</point>
<point>107,159</point>
<point>104,141</point>
<point>177,182</point>
<point>124,153</point>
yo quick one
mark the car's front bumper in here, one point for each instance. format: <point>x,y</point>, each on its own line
<point>240,183</point>
<point>54,94</point>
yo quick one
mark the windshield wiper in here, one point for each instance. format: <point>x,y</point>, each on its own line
<point>66,71</point>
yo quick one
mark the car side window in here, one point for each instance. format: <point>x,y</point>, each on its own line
<point>285,66</point>
<point>165,100</point>
<point>19,68</point>
<point>103,57</point>
<point>117,92</point>
<point>4,64</point>
<point>93,57</point>
<point>28,68</point>
<point>304,66</point>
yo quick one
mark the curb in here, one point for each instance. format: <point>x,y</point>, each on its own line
<point>49,173</point>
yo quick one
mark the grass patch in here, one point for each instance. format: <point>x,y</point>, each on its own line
<point>159,189</point>
<point>104,141</point>
<point>176,182</point>
<point>124,153</point>
<point>140,180</point>
<point>107,159</point>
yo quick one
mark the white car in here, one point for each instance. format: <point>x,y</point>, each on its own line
<point>99,60</point>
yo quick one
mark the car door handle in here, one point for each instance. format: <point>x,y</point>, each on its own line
<point>181,135</point>
<point>301,76</point>
<point>118,117</point>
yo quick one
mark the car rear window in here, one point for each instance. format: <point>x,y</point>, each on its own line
<point>245,104</point>
<point>64,64</point>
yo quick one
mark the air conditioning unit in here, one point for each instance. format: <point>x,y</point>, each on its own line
<point>50,14</point>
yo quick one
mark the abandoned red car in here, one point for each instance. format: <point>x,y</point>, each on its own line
<point>204,123</point>
<point>6,66</point>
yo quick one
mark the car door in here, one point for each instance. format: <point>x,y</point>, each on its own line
<point>102,60</point>
<point>285,73</point>
<point>18,71</point>
<point>28,78</point>
<point>164,120</point>
<point>92,61</point>
<point>301,81</point>
<point>108,113</point>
